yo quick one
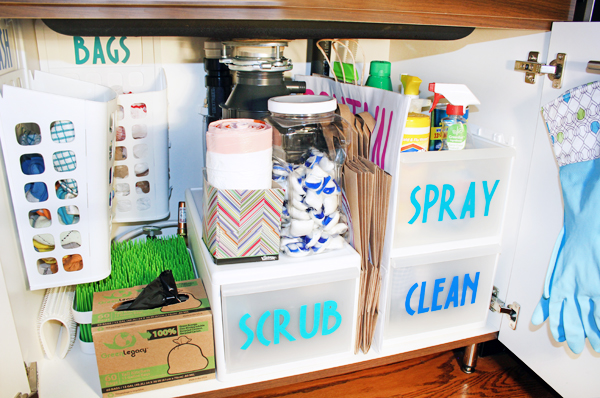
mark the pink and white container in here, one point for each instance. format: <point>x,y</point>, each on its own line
<point>238,154</point>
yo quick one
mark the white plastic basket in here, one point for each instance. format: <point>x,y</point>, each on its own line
<point>142,151</point>
<point>70,125</point>
<point>130,66</point>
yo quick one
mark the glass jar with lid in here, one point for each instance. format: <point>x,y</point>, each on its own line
<point>309,148</point>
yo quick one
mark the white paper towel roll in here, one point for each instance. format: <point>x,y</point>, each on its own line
<point>239,154</point>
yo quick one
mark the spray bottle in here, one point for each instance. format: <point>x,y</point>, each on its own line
<point>454,126</point>
<point>416,132</point>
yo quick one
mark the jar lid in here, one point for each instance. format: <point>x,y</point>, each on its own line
<point>417,120</point>
<point>302,104</point>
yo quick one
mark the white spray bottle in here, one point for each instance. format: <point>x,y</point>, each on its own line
<point>454,126</point>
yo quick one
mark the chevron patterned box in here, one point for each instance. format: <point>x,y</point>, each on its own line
<point>242,225</point>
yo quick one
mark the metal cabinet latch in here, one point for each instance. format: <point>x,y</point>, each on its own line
<point>512,310</point>
<point>532,68</point>
<point>32,378</point>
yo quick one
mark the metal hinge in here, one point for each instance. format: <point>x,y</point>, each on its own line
<point>32,377</point>
<point>512,310</point>
<point>593,67</point>
<point>532,68</point>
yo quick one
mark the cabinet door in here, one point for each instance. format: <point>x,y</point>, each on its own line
<point>569,374</point>
<point>13,377</point>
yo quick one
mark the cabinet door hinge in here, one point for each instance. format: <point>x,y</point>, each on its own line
<point>532,68</point>
<point>512,310</point>
<point>32,377</point>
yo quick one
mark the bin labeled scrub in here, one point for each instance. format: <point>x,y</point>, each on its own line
<point>278,315</point>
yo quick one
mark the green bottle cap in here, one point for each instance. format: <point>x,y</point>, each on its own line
<point>380,68</point>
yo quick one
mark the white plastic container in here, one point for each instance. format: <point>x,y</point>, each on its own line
<point>446,196</point>
<point>83,159</point>
<point>246,298</point>
<point>128,65</point>
<point>432,294</point>
<point>143,195</point>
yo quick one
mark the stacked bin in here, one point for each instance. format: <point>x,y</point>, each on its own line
<point>280,315</point>
<point>58,153</point>
<point>444,238</point>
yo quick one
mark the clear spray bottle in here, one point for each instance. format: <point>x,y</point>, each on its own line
<point>454,126</point>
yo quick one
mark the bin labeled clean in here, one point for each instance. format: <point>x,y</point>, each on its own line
<point>432,293</point>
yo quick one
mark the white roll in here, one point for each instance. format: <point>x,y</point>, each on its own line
<point>239,154</point>
<point>240,171</point>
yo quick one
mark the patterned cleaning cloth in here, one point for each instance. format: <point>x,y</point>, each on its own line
<point>64,161</point>
<point>573,122</point>
<point>62,131</point>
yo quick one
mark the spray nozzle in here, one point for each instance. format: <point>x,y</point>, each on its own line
<point>411,84</point>
<point>436,98</point>
<point>456,94</point>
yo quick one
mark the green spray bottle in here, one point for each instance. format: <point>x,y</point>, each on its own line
<point>454,126</point>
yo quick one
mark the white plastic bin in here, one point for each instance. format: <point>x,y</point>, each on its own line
<point>142,155</point>
<point>264,313</point>
<point>434,293</point>
<point>452,195</point>
<point>58,152</point>
<point>130,66</point>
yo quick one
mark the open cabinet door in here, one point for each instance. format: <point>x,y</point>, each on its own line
<point>569,374</point>
<point>13,376</point>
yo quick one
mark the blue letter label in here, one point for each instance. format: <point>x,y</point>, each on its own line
<point>428,200</point>
<point>422,309</point>
<point>247,330</point>
<point>445,202</point>
<point>452,294</point>
<point>415,203</point>
<point>124,47</point>
<point>98,53</point>
<point>412,289</point>
<point>469,204</point>
<point>316,319</point>
<point>113,58</point>
<point>260,328</point>
<point>330,310</point>
<point>79,45</point>
<point>469,284</point>
<point>279,328</point>
<point>437,289</point>
<point>488,196</point>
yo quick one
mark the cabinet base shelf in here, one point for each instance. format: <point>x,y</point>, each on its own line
<point>340,370</point>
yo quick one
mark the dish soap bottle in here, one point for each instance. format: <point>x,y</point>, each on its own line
<point>454,126</point>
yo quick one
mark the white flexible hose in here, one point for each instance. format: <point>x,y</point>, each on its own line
<point>55,323</point>
<point>138,231</point>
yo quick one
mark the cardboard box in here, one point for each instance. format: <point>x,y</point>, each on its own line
<point>144,350</point>
<point>241,226</point>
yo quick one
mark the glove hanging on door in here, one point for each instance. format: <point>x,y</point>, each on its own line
<point>571,298</point>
